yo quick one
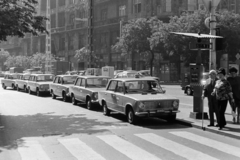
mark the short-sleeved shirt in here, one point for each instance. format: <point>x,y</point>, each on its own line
<point>235,84</point>
<point>222,89</point>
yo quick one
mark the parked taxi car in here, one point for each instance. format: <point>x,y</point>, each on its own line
<point>9,80</point>
<point>39,83</point>
<point>138,97</point>
<point>132,74</point>
<point>60,86</point>
<point>21,83</point>
<point>86,88</point>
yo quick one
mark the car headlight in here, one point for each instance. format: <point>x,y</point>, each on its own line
<point>175,104</point>
<point>141,105</point>
<point>95,95</point>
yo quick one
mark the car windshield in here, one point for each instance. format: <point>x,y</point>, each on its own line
<point>25,77</point>
<point>13,76</point>
<point>145,73</point>
<point>97,82</point>
<point>69,79</point>
<point>143,86</point>
<point>131,75</point>
<point>44,78</point>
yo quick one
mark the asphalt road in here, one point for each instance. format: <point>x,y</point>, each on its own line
<point>40,128</point>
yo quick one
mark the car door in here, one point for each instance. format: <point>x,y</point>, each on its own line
<point>82,91</point>
<point>110,94</point>
<point>76,88</point>
<point>29,85</point>
<point>54,85</point>
<point>118,96</point>
<point>58,86</point>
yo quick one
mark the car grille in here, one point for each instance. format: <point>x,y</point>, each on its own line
<point>158,104</point>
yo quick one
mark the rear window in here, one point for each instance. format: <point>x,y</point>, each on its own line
<point>69,79</point>
<point>97,82</point>
<point>44,78</point>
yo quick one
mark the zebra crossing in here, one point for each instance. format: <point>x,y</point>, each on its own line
<point>79,148</point>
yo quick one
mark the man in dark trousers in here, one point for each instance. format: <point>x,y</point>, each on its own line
<point>212,102</point>
<point>234,81</point>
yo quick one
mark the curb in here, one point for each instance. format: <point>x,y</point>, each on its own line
<point>192,124</point>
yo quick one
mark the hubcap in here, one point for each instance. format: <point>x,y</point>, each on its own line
<point>130,116</point>
<point>73,100</point>
<point>188,91</point>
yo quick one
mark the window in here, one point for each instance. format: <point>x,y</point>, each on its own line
<point>80,41</point>
<point>103,14</point>
<point>83,83</point>
<point>70,42</point>
<point>43,5</point>
<point>120,88</point>
<point>137,6</point>
<point>56,80</point>
<point>53,21</point>
<point>53,4</point>
<point>112,86</point>
<point>61,2</point>
<point>71,18</point>
<point>61,19</point>
<point>44,78</point>
<point>69,80</point>
<point>97,82</point>
<point>122,10</point>
<point>62,44</point>
<point>78,82</point>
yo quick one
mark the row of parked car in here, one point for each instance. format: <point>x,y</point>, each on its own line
<point>132,96</point>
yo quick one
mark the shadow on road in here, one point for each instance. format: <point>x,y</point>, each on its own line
<point>44,125</point>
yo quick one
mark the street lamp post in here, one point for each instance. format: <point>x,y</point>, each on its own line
<point>90,32</point>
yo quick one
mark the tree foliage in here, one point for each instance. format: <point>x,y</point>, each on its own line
<point>83,54</point>
<point>18,17</point>
<point>3,56</point>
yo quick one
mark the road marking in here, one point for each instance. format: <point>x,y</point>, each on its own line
<point>127,148</point>
<point>32,150</point>
<point>232,150</point>
<point>80,150</point>
<point>174,147</point>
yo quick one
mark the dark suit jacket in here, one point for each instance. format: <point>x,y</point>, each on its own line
<point>208,89</point>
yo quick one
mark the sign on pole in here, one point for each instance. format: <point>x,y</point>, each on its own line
<point>211,4</point>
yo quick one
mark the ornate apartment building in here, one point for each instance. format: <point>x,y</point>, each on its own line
<point>70,29</point>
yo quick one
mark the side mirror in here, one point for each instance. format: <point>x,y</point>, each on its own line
<point>164,91</point>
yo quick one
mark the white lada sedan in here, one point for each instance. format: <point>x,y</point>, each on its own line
<point>138,97</point>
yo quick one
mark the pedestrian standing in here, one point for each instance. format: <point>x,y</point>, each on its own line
<point>223,92</point>
<point>212,101</point>
<point>234,81</point>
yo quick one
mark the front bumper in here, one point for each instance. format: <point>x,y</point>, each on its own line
<point>155,113</point>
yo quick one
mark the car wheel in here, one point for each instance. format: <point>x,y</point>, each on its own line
<point>38,93</point>
<point>65,98</point>
<point>29,91</point>
<point>106,111</point>
<point>74,101</point>
<point>189,91</point>
<point>3,86</point>
<point>131,117</point>
<point>89,104</point>
<point>53,95</point>
<point>25,89</point>
<point>171,118</point>
<point>18,89</point>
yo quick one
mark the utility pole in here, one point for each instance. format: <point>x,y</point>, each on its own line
<point>48,38</point>
<point>90,32</point>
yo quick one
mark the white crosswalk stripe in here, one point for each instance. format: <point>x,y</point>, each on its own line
<point>209,142</point>
<point>80,150</point>
<point>174,147</point>
<point>32,150</point>
<point>127,148</point>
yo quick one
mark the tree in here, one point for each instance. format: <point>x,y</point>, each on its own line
<point>83,54</point>
<point>18,61</point>
<point>3,57</point>
<point>38,59</point>
<point>135,38</point>
<point>18,17</point>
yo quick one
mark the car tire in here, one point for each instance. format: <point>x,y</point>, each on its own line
<point>25,89</point>
<point>188,91</point>
<point>18,89</point>
<point>64,96</point>
<point>74,101</point>
<point>171,118</point>
<point>53,95</point>
<point>131,117</point>
<point>3,86</point>
<point>29,91</point>
<point>106,111</point>
<point>89,104</point>
<point>38,93</point>
<point>13,87</point>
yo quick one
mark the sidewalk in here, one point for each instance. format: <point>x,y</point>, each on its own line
<point>231,130</point>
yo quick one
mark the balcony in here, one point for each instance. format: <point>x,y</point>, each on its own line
<point>70,27</point>
<point>109,21</point>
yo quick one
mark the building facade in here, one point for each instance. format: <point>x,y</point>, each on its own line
<point>70,30</point>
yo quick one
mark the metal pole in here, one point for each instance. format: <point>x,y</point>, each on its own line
<point>90,31</point>
<point>212,51</point>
